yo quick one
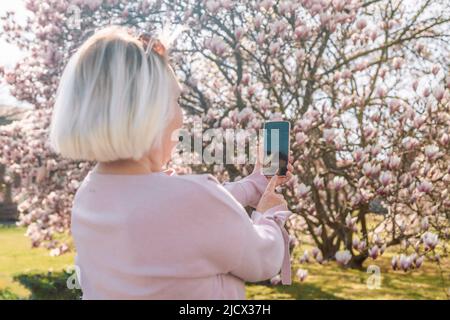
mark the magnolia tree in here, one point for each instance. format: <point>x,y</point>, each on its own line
<point>365,85</point>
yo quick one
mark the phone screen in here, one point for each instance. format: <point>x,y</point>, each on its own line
<point>276,147</point>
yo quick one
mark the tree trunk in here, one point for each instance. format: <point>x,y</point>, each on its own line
<point>357,262</point>
<point>7,194</point>
<point>328,250</point>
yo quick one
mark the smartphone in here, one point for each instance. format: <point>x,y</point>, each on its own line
<point>276,147</point>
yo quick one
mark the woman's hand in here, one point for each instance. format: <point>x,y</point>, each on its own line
<point>281,180</point>
<point>270,198</point>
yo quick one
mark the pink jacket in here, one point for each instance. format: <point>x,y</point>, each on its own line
<point>164,236</point>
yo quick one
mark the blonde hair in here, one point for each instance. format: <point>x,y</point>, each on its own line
<point>113,101</point>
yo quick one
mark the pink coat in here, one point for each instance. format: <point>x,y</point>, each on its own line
<point>164,236</point>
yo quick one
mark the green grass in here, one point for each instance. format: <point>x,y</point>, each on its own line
<point>21,266</point>
<point>332,281</point>
<point>27,273</point>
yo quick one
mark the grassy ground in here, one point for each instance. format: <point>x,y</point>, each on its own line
<point>20,264</point>
<point>31,273</point>
<point>334,282</point>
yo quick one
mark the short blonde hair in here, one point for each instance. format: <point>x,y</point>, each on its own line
<point>113,101</point>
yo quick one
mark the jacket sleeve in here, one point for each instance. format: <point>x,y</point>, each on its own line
<point>249,190</point>
<point>252,248</point>
<point>265,248</point>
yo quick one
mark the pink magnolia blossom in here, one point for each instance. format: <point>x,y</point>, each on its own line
<point>318,182</point>
<point>425,186</point>
<point>385,178</point>
<point>355,243</point>
<point>350,221</point>
<point>415,84</point>
<point>212,5</point>
<point>424,224</point>
<point>419,262</point>
<point>361,23</point>
<point>410,143</point>
<point>301,138</point>
<point>404,262</point>
<point>275,280</point>
<point>239,32</point>
<point>435,69</point>
<point>305,257</point>
<point>371,171</point>
<point>381,92</point>
<point>343,257</point>
<point>329,135</point>
<point>266,4</point>
<point>438,93</point>
<point>337,183</point>
<point>339,5</point>
<point>374,252</point>
<point>274,47</point>
<point>302,32</point>
<point>395,263</point>
<point>432,152</point>
<point>397,63</point>
<point>216,45</point>
<point>302,274</point>
<point>314,252</point>
<point>303,190</point>
<point>362,246</point>
<point>444,140</point>
<point>430,240</point>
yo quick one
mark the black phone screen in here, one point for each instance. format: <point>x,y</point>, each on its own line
<point>276,147</point>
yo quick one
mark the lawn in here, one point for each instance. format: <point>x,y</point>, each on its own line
<point>334,282</point>
<point>31,273</point>
<point>20,265</point>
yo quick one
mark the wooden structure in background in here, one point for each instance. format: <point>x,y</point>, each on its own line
<point>8,209</point>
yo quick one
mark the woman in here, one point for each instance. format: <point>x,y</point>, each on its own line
<point>141,232</point>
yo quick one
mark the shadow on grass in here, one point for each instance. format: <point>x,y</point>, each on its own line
<point>306,291</point>
<point>53,286</point>
<point>48,286</point>
<point>297,291</point>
